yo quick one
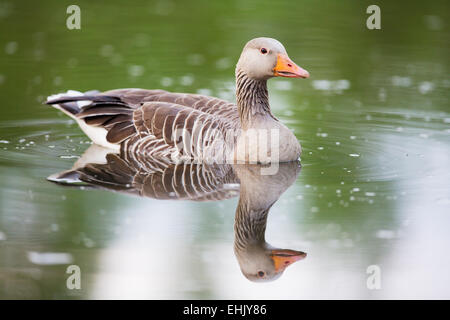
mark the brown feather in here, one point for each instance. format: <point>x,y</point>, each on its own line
<point>97,120</point>
<point>103,110</point>
<point>120,132</point>
<point>117,119</point>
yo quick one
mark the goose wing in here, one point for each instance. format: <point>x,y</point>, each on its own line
<point>154,122</point>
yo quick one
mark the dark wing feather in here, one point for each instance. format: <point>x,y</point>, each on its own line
<point>120,132</point>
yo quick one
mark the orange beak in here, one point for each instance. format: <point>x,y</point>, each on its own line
<point>285,257</point>
<point>287,68</point>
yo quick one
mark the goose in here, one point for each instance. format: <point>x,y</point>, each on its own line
<point>191,127</point>
<point>102,168</point>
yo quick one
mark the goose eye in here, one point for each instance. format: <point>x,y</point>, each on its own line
<point>263,50</point>
<point>260,274</point>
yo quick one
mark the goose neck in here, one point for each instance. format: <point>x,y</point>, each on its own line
<point>252,99</point>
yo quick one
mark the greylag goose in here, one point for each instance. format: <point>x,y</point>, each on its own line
<point>180,126</point>
<point>259,261</point>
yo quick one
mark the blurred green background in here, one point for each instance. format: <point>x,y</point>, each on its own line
<point>373,121</point>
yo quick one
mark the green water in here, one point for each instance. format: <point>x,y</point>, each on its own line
<point>373,121</point>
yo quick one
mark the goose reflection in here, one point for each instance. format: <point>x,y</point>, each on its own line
<point>258,260</point>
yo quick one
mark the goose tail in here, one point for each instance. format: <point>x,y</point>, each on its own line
<point>105,119</point>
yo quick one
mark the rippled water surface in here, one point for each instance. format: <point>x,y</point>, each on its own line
<point>373,121</point>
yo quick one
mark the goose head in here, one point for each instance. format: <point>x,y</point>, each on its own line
<point>264,58</point>
<point>264,263</point>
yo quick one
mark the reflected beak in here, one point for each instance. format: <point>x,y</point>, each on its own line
<point>285,257</point>
<point>287,68</point>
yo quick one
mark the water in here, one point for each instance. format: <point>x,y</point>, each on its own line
<point>373,121</point>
